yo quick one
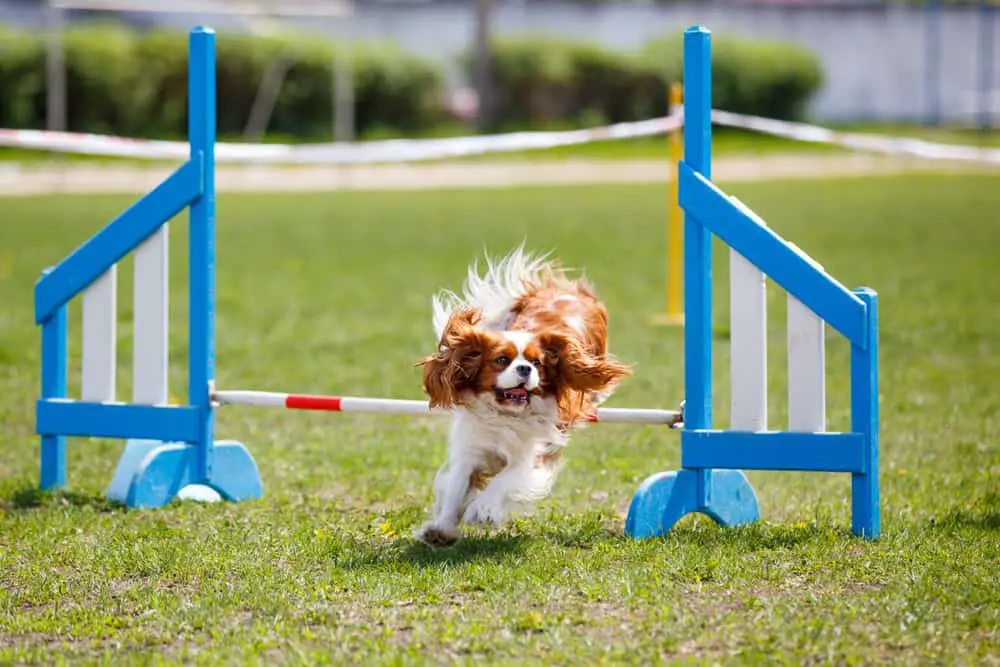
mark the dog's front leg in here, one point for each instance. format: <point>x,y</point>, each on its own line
<point>450,489</point>
<point>489,508</point>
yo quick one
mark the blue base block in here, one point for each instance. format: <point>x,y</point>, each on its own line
<point>665,498</point>
<point>152,473</point>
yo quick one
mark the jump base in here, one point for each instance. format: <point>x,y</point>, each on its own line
<point>665,498</point>
<point>151,474</point>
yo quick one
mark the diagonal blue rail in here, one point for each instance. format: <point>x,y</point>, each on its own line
<point>711,480</point>
<point>168,447</point>
<point>763,248</point>
<point>106,248</point>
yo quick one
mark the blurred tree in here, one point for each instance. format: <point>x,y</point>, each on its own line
<point>484,79</point>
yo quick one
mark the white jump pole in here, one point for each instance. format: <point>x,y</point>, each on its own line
<point>391,406</point>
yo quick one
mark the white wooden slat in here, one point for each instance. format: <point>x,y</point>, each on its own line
<point>748,340</point>
<point>806,365</point>
<point>100,338</point>
<point>151,302</point>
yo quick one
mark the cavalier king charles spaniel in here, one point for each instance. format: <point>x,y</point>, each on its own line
<point>522,360</point>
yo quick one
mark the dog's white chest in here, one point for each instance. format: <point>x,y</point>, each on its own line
<point>515,438</point>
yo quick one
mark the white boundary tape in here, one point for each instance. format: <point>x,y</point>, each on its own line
<point>417,150</point>
<point>875,143</point>
<point>391,150</point>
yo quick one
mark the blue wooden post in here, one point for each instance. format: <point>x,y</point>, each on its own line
<point>53,448</point>
<point>865,519</point>
<point>698,244</point>
<point>201,134</point>
<point>724,495</point>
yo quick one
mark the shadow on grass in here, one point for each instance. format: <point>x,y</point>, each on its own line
<point>32,498</point>
<point>468,549</point>
<point>694,534</point>
<point>475,545</point>
<point>978,513</point>
<point>700,531</point>
<point>701,536</point>
<point>354,554</point>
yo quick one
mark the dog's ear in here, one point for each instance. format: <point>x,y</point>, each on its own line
<point>456,365</point>
<point>569,365</point>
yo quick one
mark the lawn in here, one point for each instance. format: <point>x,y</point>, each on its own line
<point>329,293</point>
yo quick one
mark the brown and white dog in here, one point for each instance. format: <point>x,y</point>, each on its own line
<point>522,359</point>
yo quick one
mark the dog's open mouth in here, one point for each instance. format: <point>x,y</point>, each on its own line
<point>514,395</point>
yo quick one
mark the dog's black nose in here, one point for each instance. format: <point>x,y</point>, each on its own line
<point>524,370</point>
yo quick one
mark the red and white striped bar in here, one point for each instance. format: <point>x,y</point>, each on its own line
<point>391,406</point>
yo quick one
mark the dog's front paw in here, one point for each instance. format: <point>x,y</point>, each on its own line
<point>434,535</point>
<point>483,514</point>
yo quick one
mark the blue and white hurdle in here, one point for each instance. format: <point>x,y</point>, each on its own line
<point>171,449</point>
<point>711,480</point>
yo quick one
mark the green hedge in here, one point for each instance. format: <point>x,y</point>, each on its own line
<point>543,81</point>
<point>22,80</point>
<point>124,82</point>
<point>760,77</point>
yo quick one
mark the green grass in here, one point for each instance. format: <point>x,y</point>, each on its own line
<point>726,141</point>
<point>329,293</point>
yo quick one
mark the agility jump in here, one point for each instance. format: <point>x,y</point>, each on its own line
<point>170,447</point>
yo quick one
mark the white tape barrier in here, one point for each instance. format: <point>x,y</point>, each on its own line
<point>416,150</point>
<point>391,150</point>
<point>874,143</point>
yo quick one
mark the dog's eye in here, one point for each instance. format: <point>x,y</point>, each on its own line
<point>503,361</point>
<point>537,363</point>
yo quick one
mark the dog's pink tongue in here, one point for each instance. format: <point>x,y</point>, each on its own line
<point>517,392</point>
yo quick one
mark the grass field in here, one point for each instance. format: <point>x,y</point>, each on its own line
<point>329,293</point>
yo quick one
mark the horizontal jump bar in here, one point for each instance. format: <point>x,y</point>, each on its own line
<point>170,423</point>
<point>392,406</point>
<point>774,450</point>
